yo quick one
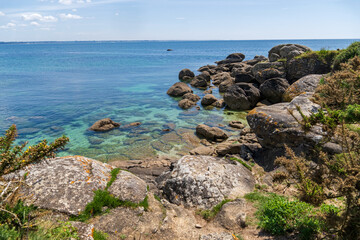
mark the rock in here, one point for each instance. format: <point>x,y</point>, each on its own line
<point>217,236</point>
<point>186,73</point>
<point>208,68</point>
<point>232,58</point>
<point>209,91</point>
<point>128,187</point>
<point>84,231</point>
<point>105,124</point>
<point>192,97</point>
<point>204,181</point>
<point>221,77</point>
<point>225,85</point>
<point>306,84</point>
<point>219,103</point>
<point>202,150</point>
<point>236,124</point>
<point>244,76</point>
<point>266,70</point>
<point>302,66</point>
<point>169,50</point>
<point>273,89</point>
<point>256,60</point>
<point>186,103</point>
<point>211,133</point>
<point>208,99</point>
<point>232,215</point>
<point>286,51</point>
<point>222,68</point>
<point>242,96</point>
<point>179,89</point>
<point>135,124</point>
<point>64,184</point>
<point>275,126</point>
<point>201,81</point>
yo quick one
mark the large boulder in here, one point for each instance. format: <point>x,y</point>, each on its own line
<point>256,60</point>
<point>179,89</point>
<point>186,73</point>
<point>211,133</point>
<point>306,84</point>
<point>208,68</point>
<point>191,96</point>
<point>103,125</point>
<point>274,88</point>
<point>275,126</point>
<point>266,70</point>
<point>186,103</point>
<point>286,51</point>
<point>201,81</point>
<point>305,65</point>
<point>221,77</point>
<point>208,99</point>
<point>242,96</point>
<point>232,58</point>
<point>67,184</point>
<point>204,181</point>
<point>225,85</point>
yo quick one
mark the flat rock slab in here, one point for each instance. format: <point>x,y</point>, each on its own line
<point>204,181</point>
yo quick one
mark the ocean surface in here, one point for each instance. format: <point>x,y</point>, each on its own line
<point>50,89</point>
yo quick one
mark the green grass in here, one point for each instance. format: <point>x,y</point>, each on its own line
<point>248,166</point>
<point>99,235</point>
<point>114,174</point>
<point>326,56</point>
<point>210,214</point>
<point>63,231</point>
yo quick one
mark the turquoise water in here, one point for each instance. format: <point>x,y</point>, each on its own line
<point>53,88</point>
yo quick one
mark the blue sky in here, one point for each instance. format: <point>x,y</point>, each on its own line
<point>49,20</point>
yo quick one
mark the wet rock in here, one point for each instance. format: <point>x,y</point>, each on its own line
<point>192,97</point>
<point>273,89</point>
<point>208,99</point>
<point>186,103</point>
<point>103,125</point>
<point>236,124</point>
<point>306,84</point>
<point>186,73</point>
<point>219,103</point>
<point>204,181</point>
<point>242,96</point>
<point>209,91</point>
<point>232,58</point>
<point>179,89</point>
<point>286,51</point>
<point>211,133</point>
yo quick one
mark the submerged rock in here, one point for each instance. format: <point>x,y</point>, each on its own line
<point>105,124</point>
<point>186,103</point>
<point>211,133</point>
<point>191,96</point>
<point>204,181</point>
<point>179,89</point>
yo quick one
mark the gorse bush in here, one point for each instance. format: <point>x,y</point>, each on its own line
<point>346,54</point>
<point>15,157</point>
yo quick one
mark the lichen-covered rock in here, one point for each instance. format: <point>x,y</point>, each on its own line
<point>186,103</point>
<point>232,58</point>
<point>179,89</point>
<point>275,126</point>
<point>128,187</point>
<point>242,96</point>
<point>186,73</point>
<point>286,51</point>
<point>306,84</point>
<point>192,97</point>
<point>274,88</point>
<point>211,133</point>
<point>204,181</point>
<point>103,125</point>
<point>208,99</point>
<point>266,70</point>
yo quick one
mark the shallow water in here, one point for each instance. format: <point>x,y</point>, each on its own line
<point>53,88</point>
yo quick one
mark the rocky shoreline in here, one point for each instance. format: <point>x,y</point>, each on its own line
<point>166,193</point>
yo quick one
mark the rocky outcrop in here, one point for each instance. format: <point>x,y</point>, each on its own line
<point>273,89</point>
<point>275,126</point>
<point>204,181</point>
<point>266,70</point>
<point>186,73</point>
<point>103,125</point>
<point>186,104</point>
<point>201,81</point>
<point>67,184</point>
<point>211,69</point>
<point>208,99</point>
<point>179,89</point>
<point>211,133</point>
<point>225,85</point>
<point>221,77</point>
<point>242,96</point>
<point>192,97</point>
<point>306,84</point>
<point>286,51</point>
<point>232,58</point>
<point>256,60</point>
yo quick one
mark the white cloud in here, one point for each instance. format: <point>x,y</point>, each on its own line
<point>69,16</point>
<point>38,17</point>
<point>34,24</point>
<point>65,2</point>
<point>117,14</point>
<point>74,10</point>
<point>7,26</point>
<point>2,14</point>
<point>180,18</point>
<point>69,2</point>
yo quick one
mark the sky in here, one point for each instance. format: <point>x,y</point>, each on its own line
<point>69,20</point>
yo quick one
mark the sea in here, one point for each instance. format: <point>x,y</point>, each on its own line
<point>50,89</point>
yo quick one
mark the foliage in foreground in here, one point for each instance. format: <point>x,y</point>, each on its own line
<point>346,54</point>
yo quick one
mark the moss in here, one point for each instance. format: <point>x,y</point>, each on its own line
<point>210,214</point>
<point>326,56</point>
<point>282,60</point>
<point>157,197</point>
<point>248,166</point>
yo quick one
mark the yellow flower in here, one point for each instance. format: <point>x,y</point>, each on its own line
<point>23,160</point>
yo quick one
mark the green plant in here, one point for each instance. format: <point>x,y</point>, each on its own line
<point>346,54</point>
<point>63,231</point>
<point>326,56</point>
<point>7,232</point>
<point>210,214</point>
<point>123,236</point>
<point>99,235</point>
<point>113,174</point>
<point>15,157</point>
<point>248,166</point>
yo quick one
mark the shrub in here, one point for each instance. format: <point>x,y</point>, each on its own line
<point>346,54</point>
<point>98,235</point>
<point>326,56</point>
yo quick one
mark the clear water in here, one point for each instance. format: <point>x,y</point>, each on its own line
<point>53,88</point>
